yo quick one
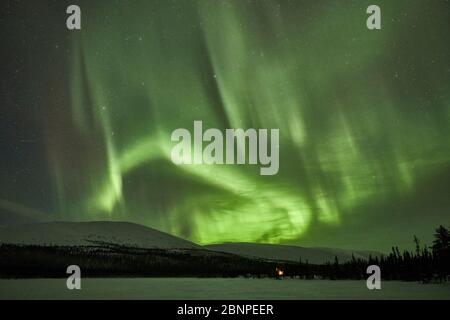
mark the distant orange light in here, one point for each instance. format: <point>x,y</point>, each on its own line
<point>280,272</point>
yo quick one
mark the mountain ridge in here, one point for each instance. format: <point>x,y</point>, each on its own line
<point>317,255</point>
<point>139,236</point>
<point>87,233</point>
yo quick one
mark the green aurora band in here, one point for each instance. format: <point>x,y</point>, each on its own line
<point>364,117</point>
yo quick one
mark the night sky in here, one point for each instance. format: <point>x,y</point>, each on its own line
<point>364,117</point>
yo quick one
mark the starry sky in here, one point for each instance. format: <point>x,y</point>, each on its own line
<point>364,117</point>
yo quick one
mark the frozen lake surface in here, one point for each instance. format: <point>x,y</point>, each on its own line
<point>216,288</point>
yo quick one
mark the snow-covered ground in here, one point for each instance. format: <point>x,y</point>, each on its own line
<point>193,288</point>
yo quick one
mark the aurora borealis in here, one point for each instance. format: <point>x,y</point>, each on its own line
<point>363,117</point>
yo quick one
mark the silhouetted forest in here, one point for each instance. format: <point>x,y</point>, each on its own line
<point>102,260</point>
<point>424,263</point>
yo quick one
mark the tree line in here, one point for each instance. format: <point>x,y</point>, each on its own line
<point>22,261</point>
<point>423,263</point>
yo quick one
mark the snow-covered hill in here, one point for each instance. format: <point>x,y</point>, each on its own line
<point>90,233</point>
<point>135,235</point>
<point>290,253</point>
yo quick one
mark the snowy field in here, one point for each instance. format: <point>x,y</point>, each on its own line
<point>192,288</point>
